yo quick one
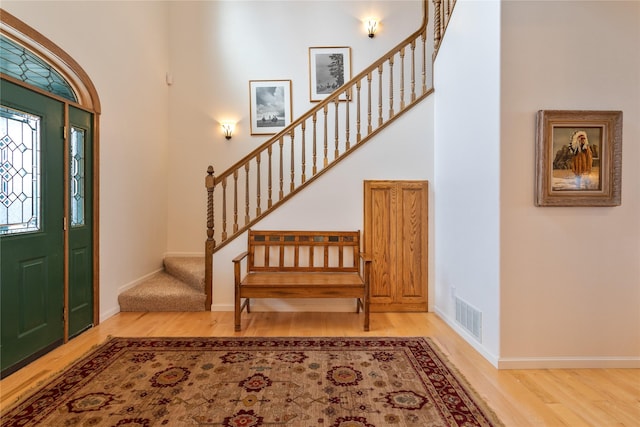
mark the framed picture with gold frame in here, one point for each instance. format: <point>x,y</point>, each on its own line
<point>578,158</point>
<point>270,106</point>
<point>329,68</point>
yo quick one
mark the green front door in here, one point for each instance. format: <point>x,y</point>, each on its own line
<point>80,221</point>
<point>34,222</point>
<point>31,224</point>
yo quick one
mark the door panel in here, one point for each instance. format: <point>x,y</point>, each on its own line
<point>80,221</point>
<point>382,240</point>
<point>412,250</point>
<point>395,235</point>
<point>32,276</point>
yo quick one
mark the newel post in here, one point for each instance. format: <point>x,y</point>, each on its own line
<point>210,244</point>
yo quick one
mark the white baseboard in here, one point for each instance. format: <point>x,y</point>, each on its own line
<point>107,314</point>
<point>222,307</point>
<point>115,310</point>
<point>569,362</point>
<point>470,339</point>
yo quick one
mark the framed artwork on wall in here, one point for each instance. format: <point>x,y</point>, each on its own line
<point>329,68</point>
<point>578,158</point>
<point>270,106</point>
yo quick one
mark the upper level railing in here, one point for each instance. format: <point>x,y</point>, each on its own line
<point>441,15</point>
<point>320,138</point>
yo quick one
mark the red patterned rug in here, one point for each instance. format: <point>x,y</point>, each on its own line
<point>251,382</point>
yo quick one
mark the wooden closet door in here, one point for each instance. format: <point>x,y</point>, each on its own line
<point>395,235</point>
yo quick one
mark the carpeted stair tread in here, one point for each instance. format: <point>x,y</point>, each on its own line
<point>188,269</point>
<point>162,292</point>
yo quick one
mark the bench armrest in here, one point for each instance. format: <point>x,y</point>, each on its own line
<point>365,257</point>
<point>240,257</point>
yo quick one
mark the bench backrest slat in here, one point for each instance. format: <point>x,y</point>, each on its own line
<point>322,250</point>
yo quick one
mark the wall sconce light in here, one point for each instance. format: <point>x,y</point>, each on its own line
<point>227,129</point>
<point>372,26</point>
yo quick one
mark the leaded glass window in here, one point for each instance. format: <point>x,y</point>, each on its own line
<point>77,176</point>
<point>19,172</point>
<point>23,65</point>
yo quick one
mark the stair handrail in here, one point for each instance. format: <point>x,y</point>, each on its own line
<point>329,99</point>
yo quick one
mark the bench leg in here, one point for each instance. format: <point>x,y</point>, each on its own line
<point>366,321</point>
<point>237,310</point>
<point>237,318</point>
<point>365,308</point>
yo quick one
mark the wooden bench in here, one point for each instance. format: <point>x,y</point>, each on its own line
<point>302,264</point>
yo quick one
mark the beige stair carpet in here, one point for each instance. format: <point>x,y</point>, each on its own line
<point>179,288</point>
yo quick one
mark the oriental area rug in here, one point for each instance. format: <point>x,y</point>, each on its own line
<point>251,382</point>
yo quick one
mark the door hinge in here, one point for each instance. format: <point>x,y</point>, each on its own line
<point>64,314</point>
<point>64,132</point>
<point>64,223</point>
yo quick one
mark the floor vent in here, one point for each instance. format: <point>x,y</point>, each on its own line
<point>469,318</point>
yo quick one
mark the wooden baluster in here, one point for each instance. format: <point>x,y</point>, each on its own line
<point>304,151</point>
<point>315,145</point>
<point>424,62</point>
<point>336,152</point>
<point>347,144</point>
<point>437,26</point>
<point>281,143</point>
<point>447,14</point>
<point>326,142</point>
<point>292,186</point>
<point>391,112</point>
<point>402,105</point>
<point>235,201</point>
<point>413,70</point>
<point>224,208</point>
<point>246,194</point>
<point>369,127</point>
<point>380,120</point>
<point>270,181</point>
<point>358,134</point>
<point>258,201</point>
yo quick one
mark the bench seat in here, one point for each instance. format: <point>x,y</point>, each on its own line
<point>302,264</point>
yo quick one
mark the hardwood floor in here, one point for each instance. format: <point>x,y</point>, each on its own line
<point>566,397</point>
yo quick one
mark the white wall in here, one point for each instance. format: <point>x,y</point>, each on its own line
<point>467,169</point>
<point>123,48</point>
<point>217,47</point>
<point>231,43</point>
<point>404,150</point>
<point>157,140</point>
<point>570,277</point>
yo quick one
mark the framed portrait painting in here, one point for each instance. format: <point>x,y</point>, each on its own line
<point>329,68</point>
<point>578,158</point>
<point>270,106</point>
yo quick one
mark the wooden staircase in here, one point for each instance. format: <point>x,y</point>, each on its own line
<point>318,140</point>
<point>291,160</point>
<point>179,287</point>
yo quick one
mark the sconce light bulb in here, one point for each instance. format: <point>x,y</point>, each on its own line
<point>372,26</point>
<point>227,129</point>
